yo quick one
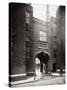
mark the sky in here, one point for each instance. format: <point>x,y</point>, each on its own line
<point>39,11</point>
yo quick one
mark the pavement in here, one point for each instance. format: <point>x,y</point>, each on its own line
<point>43,82</point>
<point>48,79</point>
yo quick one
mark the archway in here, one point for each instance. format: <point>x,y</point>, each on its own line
<point>44,61</point>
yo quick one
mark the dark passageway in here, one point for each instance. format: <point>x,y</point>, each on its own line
<point>44,58</point>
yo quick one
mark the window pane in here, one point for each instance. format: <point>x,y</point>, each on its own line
<point>27,17</point>
<point>42,36</point>
<point>27,49</point>
<point>27,14</point>
<point>28,33</point>
<point>27,44</point>
<point>41,33</point>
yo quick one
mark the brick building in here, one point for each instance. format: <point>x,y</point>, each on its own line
<point>42,43</point>
<point>20,41</point>
<point>53,27</point>
<point>30,38</point>
<point>60,34</point>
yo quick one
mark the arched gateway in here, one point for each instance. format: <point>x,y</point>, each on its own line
<point>44,64</point>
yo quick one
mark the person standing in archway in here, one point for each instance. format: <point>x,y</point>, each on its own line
<point>37,69</point>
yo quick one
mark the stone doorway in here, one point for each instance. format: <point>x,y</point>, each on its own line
<point>41,64</point>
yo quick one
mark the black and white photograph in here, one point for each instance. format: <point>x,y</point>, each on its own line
<point>36,44</point>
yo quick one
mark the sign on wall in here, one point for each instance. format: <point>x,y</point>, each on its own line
<point>43,45</point>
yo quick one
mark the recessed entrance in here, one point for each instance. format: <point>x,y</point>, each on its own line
<point>54,67</point>
<point>42,63</point>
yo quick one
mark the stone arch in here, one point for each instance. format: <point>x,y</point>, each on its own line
<point>44,58</point>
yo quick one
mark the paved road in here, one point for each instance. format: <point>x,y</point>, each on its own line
<point>42,82</point>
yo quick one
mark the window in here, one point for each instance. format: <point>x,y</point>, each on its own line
<point>42,36</point>
<point>27,50</point>
<point>28,44</point>
<point>27,33</point>
<point>27,17</point>
<point>27,39</point>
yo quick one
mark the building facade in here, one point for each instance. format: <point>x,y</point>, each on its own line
<point>20,41</point>
<point>31,38</point>
<point>60,34</point>
<point>42,43</point>
<point>53,42</point>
